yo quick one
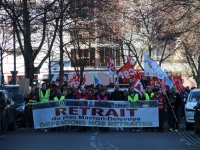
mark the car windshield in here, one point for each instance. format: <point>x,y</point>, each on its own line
<point>194,97</point>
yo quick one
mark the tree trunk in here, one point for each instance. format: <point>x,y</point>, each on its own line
<point>29,67</point>
<point>197,78</point>
<point>61,43</point>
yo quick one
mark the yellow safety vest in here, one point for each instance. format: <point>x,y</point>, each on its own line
<point>132,100</point>
<point>135,98</point>
<point>32,101</point>
<point>42,97</point>
<point>147,98</point>
<point>61,98</point>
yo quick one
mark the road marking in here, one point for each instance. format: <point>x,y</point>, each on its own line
<point>93,138</point>
<point>96,133</point>
<point>93,144</point>
<point>188,143</point>
<point>112,146</point>
<point>181,140</point>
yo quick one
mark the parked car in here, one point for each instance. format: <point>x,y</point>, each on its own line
<point>197,118</point>
<point>193,97</point>
<point>18,99</point>
<point>9,111</point>
<point>20,115</point>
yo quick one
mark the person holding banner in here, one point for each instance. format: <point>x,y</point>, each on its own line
<point>102,96</point>
<point>162,107</point>
<point>59,97</point>
<point>174,101</point>
<point>148,93</point>
<point>117,95</point>
<point>84,95</point>
<point>44,95</point>
<point>133,97</point>
<point>32,97</point>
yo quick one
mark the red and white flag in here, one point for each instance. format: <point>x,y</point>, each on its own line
<point>179,83</point>
<point>84,82</point>
<point>138,86</point>
<point>131,61</point>
<point>111,67</point>
<point>126,72</point>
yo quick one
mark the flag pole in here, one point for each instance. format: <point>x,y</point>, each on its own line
<point>171,108</point>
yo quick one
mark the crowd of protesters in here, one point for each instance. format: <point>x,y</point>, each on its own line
<point>171,104</point>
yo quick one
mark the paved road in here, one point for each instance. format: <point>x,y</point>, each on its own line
<point>30,139</point>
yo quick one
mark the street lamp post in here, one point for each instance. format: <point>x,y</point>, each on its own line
<point>14,73</point>
<point>1,61</point>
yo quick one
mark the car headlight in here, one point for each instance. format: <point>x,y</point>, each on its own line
<point>21,109</point>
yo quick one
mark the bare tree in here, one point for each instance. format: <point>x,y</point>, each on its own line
<point>26,17</point>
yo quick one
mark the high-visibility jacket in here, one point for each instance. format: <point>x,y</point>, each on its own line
<point>132,100</point>
<point>135,98</point>
<point>147,98</point>
<point>61,98</point>
<point>42,97</point>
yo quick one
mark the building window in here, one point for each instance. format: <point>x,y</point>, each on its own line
<point>104,52</point>
<point>86,56</point>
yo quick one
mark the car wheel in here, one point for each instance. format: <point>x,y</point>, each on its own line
<point>11,126</point>
<point>187,126</point>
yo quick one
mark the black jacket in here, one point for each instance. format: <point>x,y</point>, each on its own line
<point>117,96</point>
<point>174,99</point>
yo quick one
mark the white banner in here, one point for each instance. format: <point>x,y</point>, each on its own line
<point>118,115</point>
<point>151,67</point>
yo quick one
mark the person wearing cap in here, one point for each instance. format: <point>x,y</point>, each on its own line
<point>162,107</point>
<point>173,109</point>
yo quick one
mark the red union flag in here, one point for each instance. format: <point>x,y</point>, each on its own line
<point>126,72</point>
<point>138,86</point>
<point>179,83</point>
